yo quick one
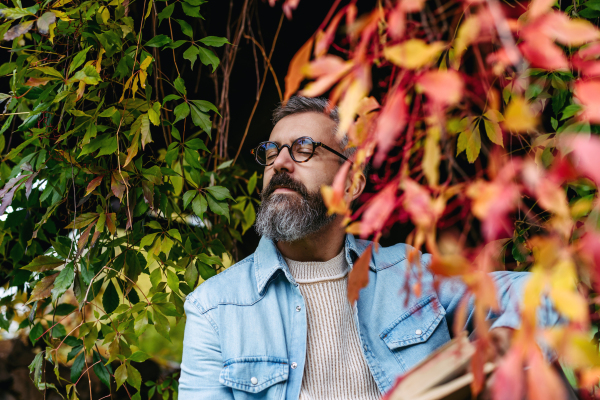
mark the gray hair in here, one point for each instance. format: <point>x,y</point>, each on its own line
<point>300,104</point>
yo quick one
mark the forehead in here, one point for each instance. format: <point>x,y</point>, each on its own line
<point>316,125</point>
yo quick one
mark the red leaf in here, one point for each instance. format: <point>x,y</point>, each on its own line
<point>325,39</point>
<point>508,378</point>
<point>379,210</point>
<point>359,276</point>
<point>289,6</point>
<point>148,190</point>
<point>570,32</point>
<point>543,383</point>
<point>587,94</point>
<point>584,154</point>
<point>390,124</point>
<point>294,75</point>
<point>539,7</point>
<point>541,52</point>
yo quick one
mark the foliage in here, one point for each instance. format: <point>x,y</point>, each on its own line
<point>107,179</point>
<point>487,120</point>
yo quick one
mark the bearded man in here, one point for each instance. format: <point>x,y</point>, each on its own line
<point>278,324</point>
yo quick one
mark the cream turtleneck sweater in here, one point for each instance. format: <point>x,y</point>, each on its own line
<point>335,366</point>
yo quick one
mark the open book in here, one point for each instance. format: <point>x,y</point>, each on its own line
<point>443,375</point>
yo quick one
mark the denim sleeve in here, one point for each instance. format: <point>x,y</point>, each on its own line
<point>510,287</point>
<point>201,361</point>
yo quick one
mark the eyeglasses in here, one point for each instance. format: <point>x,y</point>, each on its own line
<point>301,151</point>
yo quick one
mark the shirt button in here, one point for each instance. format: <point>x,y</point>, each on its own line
<point>254,380</point>
<point>418,331</point>
<point>294,365</point>
<point>366,348</point>
<point>298,308</point>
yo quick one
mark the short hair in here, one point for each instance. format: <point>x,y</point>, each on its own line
<point>300,104</point>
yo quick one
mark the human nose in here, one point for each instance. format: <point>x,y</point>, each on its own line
<point>284,161</point>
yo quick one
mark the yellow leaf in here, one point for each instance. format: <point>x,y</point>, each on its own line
<point>51,28</point>
<point>350,103</point>
<point>469,140</point>
<point>467,34</point>
<point>518,116</point>
<point>146,63</point>
<point>134,86</point>
<point>61,3</point>
<point>431,156</point>
<point>570,304</point>
<point>99,61</point>
<point>143,76</point>
<point>494,132</point>
<point>413,53</point>
<point>127,84</point>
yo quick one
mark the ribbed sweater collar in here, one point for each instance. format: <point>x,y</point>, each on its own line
<point>314,271</point>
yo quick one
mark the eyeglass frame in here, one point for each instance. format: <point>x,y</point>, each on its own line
<point>254,151</point>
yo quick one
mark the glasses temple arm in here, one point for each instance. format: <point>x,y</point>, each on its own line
<point>333,151</point>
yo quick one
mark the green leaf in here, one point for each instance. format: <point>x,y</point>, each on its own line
<point>494,132</point>
<point>63,281</point>
<point>110,298</point>
<point>196,144</point>
<point>88,74</point>
<point>148,239</point>
<point>173,281</point>
<point>219,192</point>
<point>191,157</point>
<point>167,309</point>
<point>166,13</point>
<point>36,368</point>
<point>201,119</point>
<point>162,326</point>
<point>569,111</point>
<point>170,97</point>
<point>158,41</point>
<point>44,263</point>
<point>174,233</point>
<point>188,197</point>
<point>154,114</point>
<point>49,71</point>
<point>249,217</point>
<point>181,111</point>
<point>186,29</point>
<point>205,270</point>
<point>179,84</point>
<point>108,112</point>
<point>214,41</point>
<point>226,164</point>
<point>15,13</point>
<point>90,338</point>
<point>220,208</point>
<point>199,205</point>
<point>138,356</point>
<point>192,11</point>
<point>141,322</point>
<point>252,183</point>
<point>133,377</point>
<point>77,367</point>
<point>78,60</point>
<point>101,370</point>
<point>207,57</point>
<point>191,54</point>
<point>191,275</point>
<point>121,375</point>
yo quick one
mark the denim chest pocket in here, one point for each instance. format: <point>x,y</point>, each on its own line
<point>417,333</point>
<point>260,377</point>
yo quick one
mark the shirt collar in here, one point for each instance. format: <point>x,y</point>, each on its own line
<point>268,259</point>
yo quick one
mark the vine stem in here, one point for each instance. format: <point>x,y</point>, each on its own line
<point>262,84</point>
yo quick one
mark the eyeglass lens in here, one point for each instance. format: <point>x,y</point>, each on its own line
<point>302,150</point>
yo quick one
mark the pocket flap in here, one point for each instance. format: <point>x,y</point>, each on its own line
<point>416,325</point>
<point>254,374</point>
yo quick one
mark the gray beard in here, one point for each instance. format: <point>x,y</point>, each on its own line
<point>288,217</point>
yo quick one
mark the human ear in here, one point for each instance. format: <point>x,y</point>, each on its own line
<point>355,184</point>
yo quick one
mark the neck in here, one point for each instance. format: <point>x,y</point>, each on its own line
<point>322,245</point>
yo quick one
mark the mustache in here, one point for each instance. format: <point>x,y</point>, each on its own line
<point>283,180</point>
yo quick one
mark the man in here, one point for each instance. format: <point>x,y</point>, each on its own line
<point>278,325</point>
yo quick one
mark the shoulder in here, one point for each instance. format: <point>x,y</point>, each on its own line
<point>235,285</point>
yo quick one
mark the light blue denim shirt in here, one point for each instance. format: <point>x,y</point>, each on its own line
<point>246,329</point>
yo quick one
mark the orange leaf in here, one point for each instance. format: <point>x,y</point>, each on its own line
<point>324,39</point>
<point>539,7</point>
<point>587,94</point>
<point>93,185</point>
<point>359,276</point>
<point>328,70</point>
<point>38,81</point>
<point>543,383</point>
<point>294,75</point>
<point>441,87</point>
<point>43,288</point>
<point>333,196</point>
